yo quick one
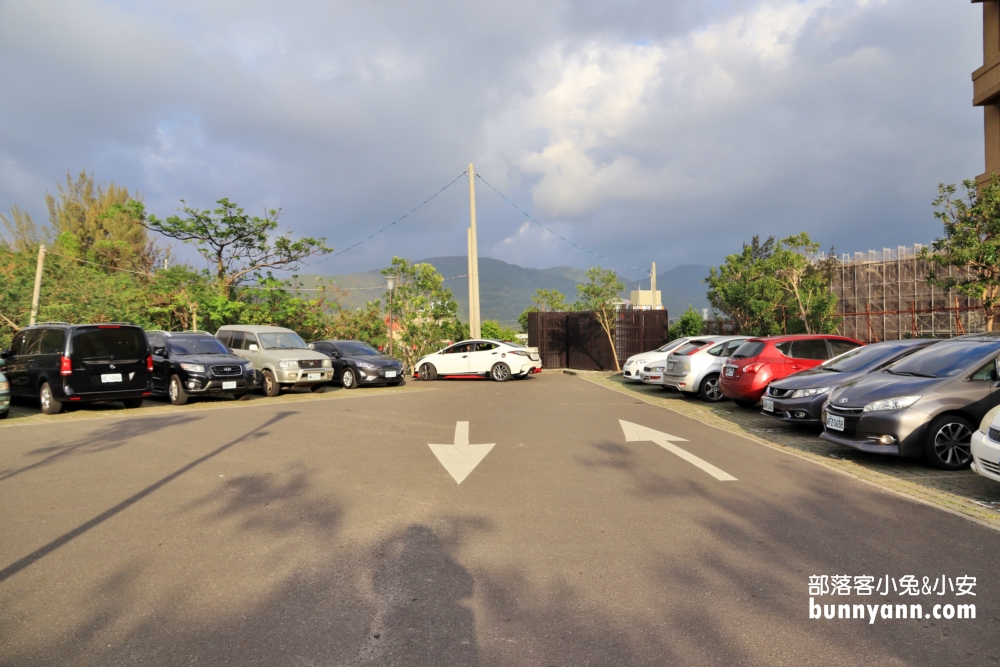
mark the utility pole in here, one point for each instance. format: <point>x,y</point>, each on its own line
<point>36,297</point>
<point>474,321</point>
<point>652,288</point>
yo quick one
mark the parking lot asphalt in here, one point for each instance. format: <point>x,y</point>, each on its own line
<point>310,530</point>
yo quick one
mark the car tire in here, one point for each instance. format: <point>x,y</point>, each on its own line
<point>427,372</point>
<point>743,403</point>
<point>348,379</point>
<point>318,388</point>
<point>243,396</point>
<point>3,415</point>
<point>48,403</point>
<point>500,372</point>
<point>269,385</point>
<point>175,391</point>
<point>948,442</point>
<point>710,390</point>
<point>132,403</point>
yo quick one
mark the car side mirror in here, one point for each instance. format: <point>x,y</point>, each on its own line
<point>312,346</point>
<point>252,348</point>
<point>993,375</point>
<point>160,351</point>
<point>5,354</point>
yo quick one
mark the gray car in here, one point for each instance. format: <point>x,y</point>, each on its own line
<point>925,405</point>
<point>284,359</point>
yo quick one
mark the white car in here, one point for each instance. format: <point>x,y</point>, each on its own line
<point>986,446</point>
<point>492,358</point>
<point>634,364</point>
<point>694,367</point>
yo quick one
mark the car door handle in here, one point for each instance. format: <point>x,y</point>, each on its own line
<point>464,356</point>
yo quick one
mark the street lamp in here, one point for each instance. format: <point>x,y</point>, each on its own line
<point>390,282</point>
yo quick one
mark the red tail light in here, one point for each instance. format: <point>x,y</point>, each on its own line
<point>65,366</point>
<point>753,368</point>
<point>149,363</point>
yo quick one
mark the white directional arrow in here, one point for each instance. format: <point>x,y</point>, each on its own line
<point>461,458</point>
<point>638,433</point>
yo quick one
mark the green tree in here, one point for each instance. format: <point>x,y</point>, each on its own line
<point>239,246</point>
<point>805,278</point>
<point>600,294</point>
<point>746,289</point>
<point>690,323</point>
<point>496,331</point>
<point>23,235</point>
<point>423,308</point>
<point>544,300</point>
<point>971,242</point>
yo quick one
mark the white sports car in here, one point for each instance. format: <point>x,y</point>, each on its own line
<point>492,358</point>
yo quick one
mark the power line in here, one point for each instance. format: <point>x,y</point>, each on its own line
<point>340,289</point>
<point>106,266</point>
<point>399,219</point>
<point>574,246</point>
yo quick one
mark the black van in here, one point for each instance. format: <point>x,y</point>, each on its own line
<point>79,363</point>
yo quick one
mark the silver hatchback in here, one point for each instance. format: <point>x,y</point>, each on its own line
<point>694,367</point>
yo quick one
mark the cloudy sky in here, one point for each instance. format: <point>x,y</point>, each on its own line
<point>667,131</point>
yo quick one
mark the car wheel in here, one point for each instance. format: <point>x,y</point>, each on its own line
<point>318,388</point>
<point>269,385</point>
<point>500,372</point>
<point>175,391</point>
<point>710,390</point>
<point>948,443</point>
<point>348,379</point>
<point>132,403</point>
<point>743,403</point>
<point>50,406</point>
<point>427,372</point>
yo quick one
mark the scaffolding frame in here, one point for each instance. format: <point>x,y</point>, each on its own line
<point>884,295</point>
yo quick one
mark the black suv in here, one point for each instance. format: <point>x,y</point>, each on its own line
<point>79,363</point>
<point>356,363</point>
<point>196,363</point>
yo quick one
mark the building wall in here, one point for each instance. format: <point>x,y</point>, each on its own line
<point>986,86</point>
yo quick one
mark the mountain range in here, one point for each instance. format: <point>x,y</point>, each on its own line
<point>505,290</point>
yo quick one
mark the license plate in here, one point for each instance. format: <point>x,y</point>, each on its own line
<point>835,423</point>
<point>730,371</point>
<point>111,377</point>
<point>314,376</point>
<point>670,366</point>
<point>229,385</point>
<point>390,374</point>
<point>768,405</point>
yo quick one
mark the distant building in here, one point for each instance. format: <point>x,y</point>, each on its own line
<point>644,299</point>
<point>986,86</point>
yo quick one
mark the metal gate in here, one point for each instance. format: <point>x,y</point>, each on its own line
<point>576,340</point>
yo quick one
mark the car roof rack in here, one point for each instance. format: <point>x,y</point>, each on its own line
<point>36,324</point>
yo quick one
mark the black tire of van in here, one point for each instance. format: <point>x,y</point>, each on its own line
<point>132,403</point>
<point>49,405</point>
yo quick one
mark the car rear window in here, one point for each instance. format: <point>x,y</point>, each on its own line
<point>945,359</point>
<point>110,343</point>
<point>690,346</point>
<point>751,348</point>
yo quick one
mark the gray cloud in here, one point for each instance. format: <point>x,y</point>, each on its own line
<point>665,132</point>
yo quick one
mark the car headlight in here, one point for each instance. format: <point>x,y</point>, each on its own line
<point>984,425</point>
<point>327,363</point>
<point>657,369</point>
<point>892,403</point>
<point>802,393</point>
<point>288,363</point>
<point>193,368</point>
<point>249,366</point>
<point>365,364</point>
<point>5,386</point>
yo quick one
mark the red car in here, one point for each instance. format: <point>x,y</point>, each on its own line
<point>758,361</point>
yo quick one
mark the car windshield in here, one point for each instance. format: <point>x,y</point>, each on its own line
<point>199,345</point>
<point>357,349</point>
<point>751,348</point>
<point>945,359</point>
<point>288,340</point>
<point>863,358</point>
<point>671,345</point>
